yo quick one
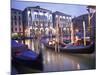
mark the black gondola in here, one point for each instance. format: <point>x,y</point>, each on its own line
<point>22,56</point>
<point>73,49</point>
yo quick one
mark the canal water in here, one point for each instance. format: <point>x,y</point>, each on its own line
<point>57,61</point>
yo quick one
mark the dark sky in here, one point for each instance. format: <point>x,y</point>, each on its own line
<point>73,10</point>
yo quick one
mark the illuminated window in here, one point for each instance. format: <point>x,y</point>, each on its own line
<point>28,12</point>
<point>41,25</point>
<point>46,14</point>
<point>63,17</point>
<point>36,23</point>
<point>56,16</point>
<point>35,13</point>
<point>66,17</point>
<point>50,17</point>
<point>40,13</point>
<point>60,16</point>
<point>70,18</point>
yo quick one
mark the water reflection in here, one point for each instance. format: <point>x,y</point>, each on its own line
<point>54,61</point>
<point>32,44</point>
<point>61,62</point>
<point>78,66</point>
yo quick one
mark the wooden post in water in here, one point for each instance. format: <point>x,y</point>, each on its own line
<point>72,33</point>
<point>84,33</point>
<point>39,35</point>
<point>56,35</point>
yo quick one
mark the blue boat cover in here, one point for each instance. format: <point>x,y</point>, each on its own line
<point>15,44</point>
<point>27,55</point>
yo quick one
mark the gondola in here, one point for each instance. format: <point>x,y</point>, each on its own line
<point>70,48</point>
<point>26,57</point>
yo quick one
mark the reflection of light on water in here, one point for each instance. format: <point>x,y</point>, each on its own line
<point>60,62</point>
<point>55,61</point>
<point>48,58</point>
<point>78,66</point>
<point>75,65</point>
<point>27,42</point>
<point>33,47</point>
<point>42,46</point>
<point>30,44</point>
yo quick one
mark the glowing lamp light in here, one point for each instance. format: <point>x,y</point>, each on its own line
<point>53,42</point>
<point>77,30</point>
<point>50,15</point>
<point>64,29</point>
<point>54,39</point>
<point>50,43</point>
<point>77,38</point>
<point>41,28</point>
<point>17,41</point>
<point>35,29</point>
<point>54,31</point>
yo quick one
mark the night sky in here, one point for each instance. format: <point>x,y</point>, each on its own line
<point>73,10</point>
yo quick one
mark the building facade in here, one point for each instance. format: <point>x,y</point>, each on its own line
<point>78,24</point>
<point>63,20</point>
<point>37,19</point>
<point>16,22</point>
